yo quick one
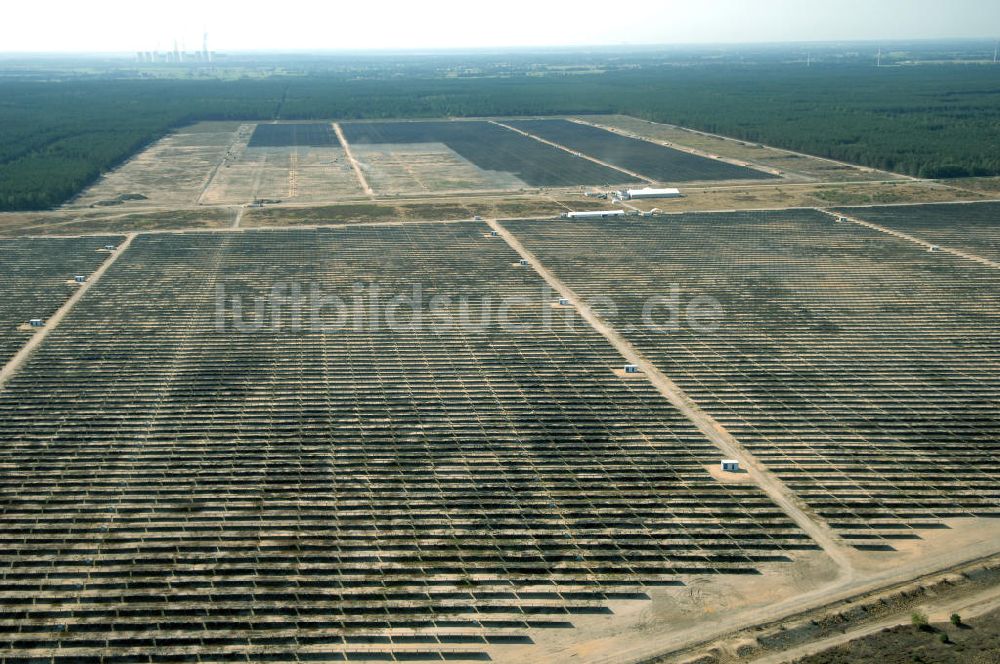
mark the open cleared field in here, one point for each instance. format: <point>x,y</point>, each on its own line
<point>61,223</point>
<point>989,186</point>
<point>295,174</point>
<point>861,369</point>
<point>426,168</point>
<point>793,166</point>
<point>184,484</point>
<point>459,206</point>
<point>288,135</point>
<point>213,163</point>
<point>327,214</point>
<point>173,171</point>
<point>787,195</point>
<point>491,148</point>
<point>443,209</point>
<point>654,161</point>
<point>972,228</point>
<point>34,273</point>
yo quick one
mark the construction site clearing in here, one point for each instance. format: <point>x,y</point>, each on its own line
<point>806,458</point>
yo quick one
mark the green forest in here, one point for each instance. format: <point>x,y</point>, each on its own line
<point>934,121</point>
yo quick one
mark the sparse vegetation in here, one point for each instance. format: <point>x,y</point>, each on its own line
<point>979,642</point>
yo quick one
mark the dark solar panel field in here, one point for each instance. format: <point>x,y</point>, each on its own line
<point>862,369</point>
<point>643,157</point>
<point>293,135</point>
<point>973,228</point>
<point>176,489</point>
<point>492,148</point>
<point>33,273</point>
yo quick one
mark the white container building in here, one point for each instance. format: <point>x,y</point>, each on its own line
<point>595,214</point>
<point>648,192</point>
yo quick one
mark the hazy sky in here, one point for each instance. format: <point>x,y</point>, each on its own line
<point>130,25</point>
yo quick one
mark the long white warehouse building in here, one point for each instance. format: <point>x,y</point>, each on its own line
<point>649,192</point>
<point>594,214</point>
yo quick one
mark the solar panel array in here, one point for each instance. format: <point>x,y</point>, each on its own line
<point>34,273</point>
<point>644,157</point>
<point>970,227</point>
<point>179,490</point>
<point>294,135</point>
<point>862,369</point>
<point>492,148</point>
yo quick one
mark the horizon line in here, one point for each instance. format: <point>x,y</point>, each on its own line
<point>509,48</point>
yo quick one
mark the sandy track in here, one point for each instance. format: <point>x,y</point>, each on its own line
<point>836,162</point>
<point>856,573</point>
<point>679,148</point>
<point>816,528</point>
<point>238,138</point>
<point>52,323</point>
<point>912,238</point>
<point>354,162</point>
<point>575,153</point>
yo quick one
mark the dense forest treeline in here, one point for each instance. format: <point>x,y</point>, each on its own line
<point>929,121</point>
<point>57,138</point>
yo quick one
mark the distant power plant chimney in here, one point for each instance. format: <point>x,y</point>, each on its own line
<point>878,58</point>
<point>177,52</point>
<point>204,48</point>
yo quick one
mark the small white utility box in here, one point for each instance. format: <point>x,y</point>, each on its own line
<point>730,466</point>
